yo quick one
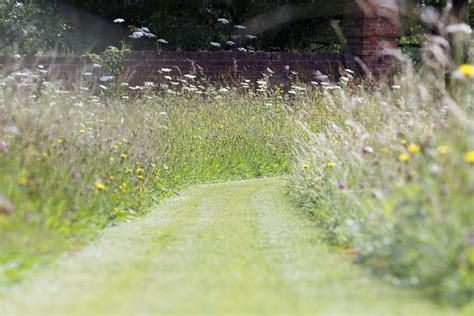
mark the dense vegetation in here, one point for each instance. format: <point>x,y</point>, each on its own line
<point>389,175</point>
<point>32,26</point>
<point>387,172</point>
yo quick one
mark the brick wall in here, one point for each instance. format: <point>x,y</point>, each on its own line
<point>371,27</point>
<point>229,66</point>
<point>65,68</point>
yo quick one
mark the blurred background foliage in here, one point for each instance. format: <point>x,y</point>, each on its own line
<point>79,26</point>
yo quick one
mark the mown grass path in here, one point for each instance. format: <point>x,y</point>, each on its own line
<point>233,248</point>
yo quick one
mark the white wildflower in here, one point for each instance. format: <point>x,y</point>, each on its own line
<point>165,70</point>
<point>223,21</point>
<point>215,44</point>
<point>240,27</point>
<point>106,78</point>
<point>230,43</point>
<point>461,28</point>
<point>119,20</point>
<point>163,41</point>
<point>242,49</point>
<point>137,35</point>
<point>189,76</point>
<point>251,36</point>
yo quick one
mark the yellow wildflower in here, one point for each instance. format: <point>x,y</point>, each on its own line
<point>111,158</point>
<point>469,156</point>
<point>60,140</point>
<point>140,177</point>
<point>403,142</point>
<point>123,187</point>
<point>82,131</point>
<point>404,157</point>
<point>23,181</point>
<point>123,156</point>
<point>139,170</point>
<point>467,70</point>
<point>386,150</point>
<point>99,185</point>
<point>45,154</point>
<point>128,170</point>
<point>305,166</point>
<point>443,149</point>
<point>330,164</point>
<point>413,148</point>
<point>115,147</point>
<point>112,178</point>
<point>116,209</point>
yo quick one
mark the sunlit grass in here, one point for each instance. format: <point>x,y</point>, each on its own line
<point>387,172</point>
<point>73,163</point>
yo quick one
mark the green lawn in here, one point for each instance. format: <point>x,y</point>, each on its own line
<point>232,248</point>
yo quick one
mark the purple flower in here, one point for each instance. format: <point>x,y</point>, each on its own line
<point>3,147</point>
<point>75,174</point>
<point>30,217</point>
<point>6,207</point>
<point>342,185</point>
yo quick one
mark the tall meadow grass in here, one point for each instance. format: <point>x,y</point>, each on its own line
<point>386,172</point>
<point>72,163</point>
<point>391,180</point>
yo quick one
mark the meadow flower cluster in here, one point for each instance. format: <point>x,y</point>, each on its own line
<point>389,175</point>
<point>387,172</point>
<point>74,162</point>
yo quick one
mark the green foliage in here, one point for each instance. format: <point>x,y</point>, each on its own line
<point>191,25</point>
<point>26,27</point>
<point>111,60</point>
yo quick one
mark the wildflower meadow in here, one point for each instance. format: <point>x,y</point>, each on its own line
<point>190,196</point>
